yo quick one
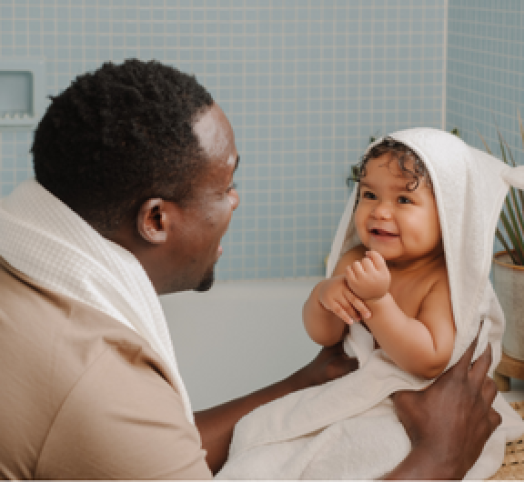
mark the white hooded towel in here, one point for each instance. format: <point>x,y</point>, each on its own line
<point>347,429</point>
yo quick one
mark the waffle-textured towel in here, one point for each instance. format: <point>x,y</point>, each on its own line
<point>348,429</point>
<point>44,239</point>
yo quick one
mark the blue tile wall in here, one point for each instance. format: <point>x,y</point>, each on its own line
<point>305,83</point>
<point>485,73</point>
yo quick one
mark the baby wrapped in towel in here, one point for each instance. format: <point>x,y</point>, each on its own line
<point>348,429</point>
<point>398,270</point>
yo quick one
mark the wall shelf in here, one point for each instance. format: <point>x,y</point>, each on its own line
<point>22,92</point>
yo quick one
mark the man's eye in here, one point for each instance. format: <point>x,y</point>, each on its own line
<point>368,195</point>
<point>404,200</point>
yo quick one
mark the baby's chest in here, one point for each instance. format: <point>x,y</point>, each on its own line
<point>410,293</point>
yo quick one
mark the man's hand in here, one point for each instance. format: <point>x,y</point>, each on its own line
<point>449,422</point>
<point>369,278</point>
<point>331,362</point>
<point>335,296</point>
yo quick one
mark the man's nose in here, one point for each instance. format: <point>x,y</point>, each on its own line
<point>234,199</point>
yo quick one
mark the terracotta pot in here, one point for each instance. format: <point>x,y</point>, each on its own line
<point>508,281</point>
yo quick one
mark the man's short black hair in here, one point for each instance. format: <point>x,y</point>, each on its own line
<point>119,136</point>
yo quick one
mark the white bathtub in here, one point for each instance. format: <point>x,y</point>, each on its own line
<point>239,336</point>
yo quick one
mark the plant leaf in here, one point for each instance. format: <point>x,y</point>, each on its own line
<point>513,195</point>
<point>518,209</point>
<point>502,150</point>
<point>511,199</point>
<point>511,217</point>
<point>513,163</point>
<point>511,235</point>
<point>488,150</point>
<point>521,127</point>
<point>500,237</point>
<point>521,196</point>
<point>517,232</point>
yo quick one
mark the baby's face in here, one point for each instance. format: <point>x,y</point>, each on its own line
<point>402,225</point>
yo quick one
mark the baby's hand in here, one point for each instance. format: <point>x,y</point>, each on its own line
<point>369,278</point>
<point>335,296</point>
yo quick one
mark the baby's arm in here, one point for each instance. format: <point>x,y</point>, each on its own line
<point>422,346</point>
<point>331,306</point>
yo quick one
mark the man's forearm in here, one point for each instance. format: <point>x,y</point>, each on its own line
<point>216,424</point>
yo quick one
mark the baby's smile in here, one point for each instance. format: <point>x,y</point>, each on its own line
<point>382,232</point>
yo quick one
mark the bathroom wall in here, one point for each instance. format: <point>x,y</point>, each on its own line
<point>304,82</point>
<point>485,71</point>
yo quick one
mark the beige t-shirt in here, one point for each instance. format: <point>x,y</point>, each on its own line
<point>84,397</point>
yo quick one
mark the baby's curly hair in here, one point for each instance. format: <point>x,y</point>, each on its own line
<point>408,162</point>
<point>119,136</point>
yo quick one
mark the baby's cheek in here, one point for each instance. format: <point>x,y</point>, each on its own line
<point>360,226</point>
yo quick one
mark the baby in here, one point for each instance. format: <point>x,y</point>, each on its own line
<point>396,281</point>
<point>389,270</point>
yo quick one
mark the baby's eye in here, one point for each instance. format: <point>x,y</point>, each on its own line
<point>368,195</point>
<point>231,187</point>
<point>404,200</point>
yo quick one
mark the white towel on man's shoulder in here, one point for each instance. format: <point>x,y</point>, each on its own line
<point>347,429</point>
<point>44,239</point>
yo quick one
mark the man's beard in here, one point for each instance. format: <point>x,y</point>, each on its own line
<point>207,281</point>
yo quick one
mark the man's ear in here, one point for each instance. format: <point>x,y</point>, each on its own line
<point>152,221</point>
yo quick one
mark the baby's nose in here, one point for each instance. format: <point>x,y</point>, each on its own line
<point>382,211</point>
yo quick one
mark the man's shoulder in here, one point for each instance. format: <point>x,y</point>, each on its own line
<point>65,335</point>
<point>62,361</point>
<point>129,423</point>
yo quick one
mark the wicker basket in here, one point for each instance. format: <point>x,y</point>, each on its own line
<point>513,466</point>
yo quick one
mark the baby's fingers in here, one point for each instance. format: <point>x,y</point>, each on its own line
<point>350,275</point>
<point>358,305</point>
<point>368,266</point>
<point>337,309</point>
<point>377,259</point>
<point>357,268</point>
<point>354,272</point>
<point>342,314</point>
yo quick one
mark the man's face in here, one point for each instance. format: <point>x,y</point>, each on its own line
<point>207,216</point>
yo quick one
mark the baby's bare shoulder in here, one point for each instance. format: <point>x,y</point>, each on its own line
<point>354,254</point>
<point>412,289</point>
<point>438,293</point>
<point>438,277</point>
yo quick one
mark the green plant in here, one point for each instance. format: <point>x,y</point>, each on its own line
<point>511,217</point>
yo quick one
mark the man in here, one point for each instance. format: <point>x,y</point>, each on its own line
<point>134,190</point>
